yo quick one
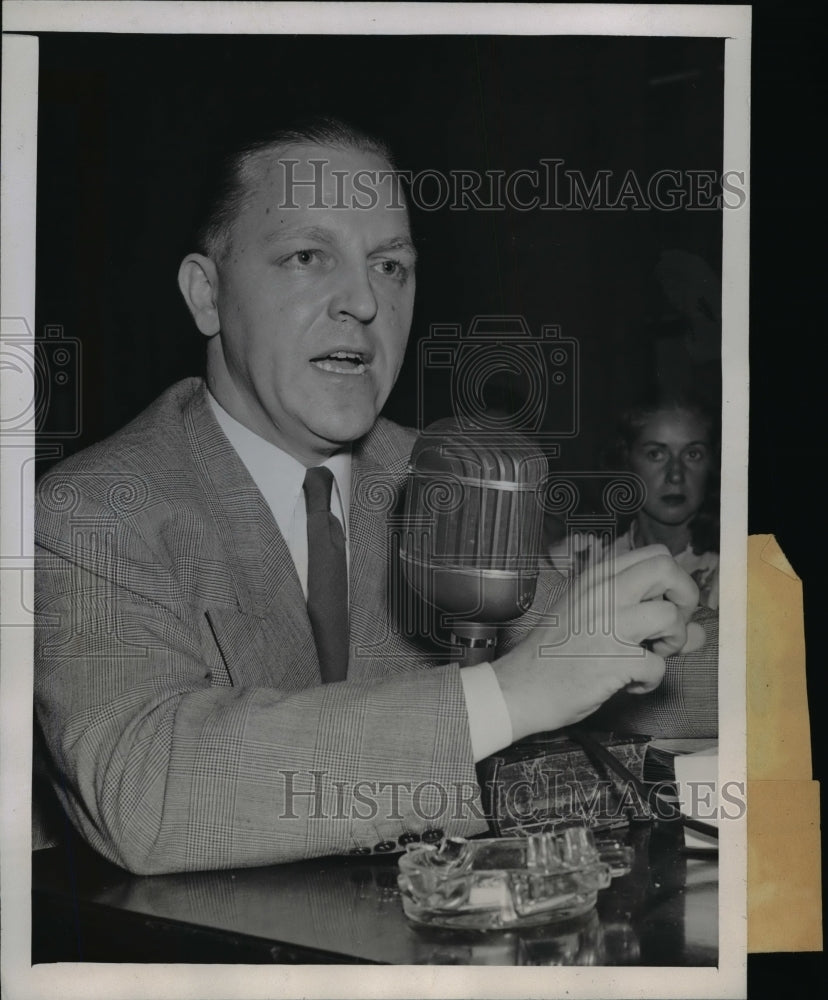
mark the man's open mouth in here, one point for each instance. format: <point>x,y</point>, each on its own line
<point>342,362</point>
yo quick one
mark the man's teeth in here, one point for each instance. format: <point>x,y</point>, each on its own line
<point>341,363</point>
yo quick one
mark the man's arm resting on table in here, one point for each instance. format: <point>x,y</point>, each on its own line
<point>163,771</point>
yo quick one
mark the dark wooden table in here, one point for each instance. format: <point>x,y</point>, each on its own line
<point>348,910</point>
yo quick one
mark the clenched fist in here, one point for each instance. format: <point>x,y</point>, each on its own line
<point>616,624</point>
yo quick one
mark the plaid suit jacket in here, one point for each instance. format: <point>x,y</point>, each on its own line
<point>176,679</point>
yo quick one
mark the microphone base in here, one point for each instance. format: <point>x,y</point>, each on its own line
<point>477,642</point>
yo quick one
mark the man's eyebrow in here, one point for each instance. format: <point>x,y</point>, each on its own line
<point>300,232</point>
<point>397,243</point>
<point>330,236</point>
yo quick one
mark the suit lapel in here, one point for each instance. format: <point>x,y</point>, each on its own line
<point>377,491</point>
<point>268,637</point>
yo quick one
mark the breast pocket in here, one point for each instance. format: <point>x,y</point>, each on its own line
<point>254,651</point>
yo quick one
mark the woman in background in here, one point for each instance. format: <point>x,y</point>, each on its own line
<point>673,446</point>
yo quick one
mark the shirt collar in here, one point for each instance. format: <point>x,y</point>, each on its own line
<point>278,475</point>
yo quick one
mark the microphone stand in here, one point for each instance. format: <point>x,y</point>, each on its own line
<point>477,641</point>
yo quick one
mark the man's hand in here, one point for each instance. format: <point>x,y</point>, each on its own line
<point>617,622</point>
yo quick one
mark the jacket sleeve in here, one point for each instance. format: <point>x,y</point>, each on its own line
<point>164,765</point>
<point>684,705</point>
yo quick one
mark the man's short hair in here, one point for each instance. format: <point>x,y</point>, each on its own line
<point>234,180</point>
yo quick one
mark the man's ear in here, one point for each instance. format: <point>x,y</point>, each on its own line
<point>198,281</point>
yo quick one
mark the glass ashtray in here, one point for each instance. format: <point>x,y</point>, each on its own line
<point>508,882</point>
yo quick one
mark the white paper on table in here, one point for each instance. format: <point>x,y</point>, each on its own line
<point>697,778</point>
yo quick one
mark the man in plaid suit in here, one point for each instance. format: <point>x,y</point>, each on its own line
<point>178,686</point>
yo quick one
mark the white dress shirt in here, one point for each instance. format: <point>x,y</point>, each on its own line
<point>279,477</point>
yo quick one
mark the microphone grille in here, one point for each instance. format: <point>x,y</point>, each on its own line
<point>480,500</point>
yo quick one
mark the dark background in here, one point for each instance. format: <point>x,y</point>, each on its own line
<point>112,217</point>
<point>130,124</point>
<point>786,369</point>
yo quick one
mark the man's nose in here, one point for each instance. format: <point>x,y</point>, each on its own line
<point>675,471</point>
<point>354,295</point>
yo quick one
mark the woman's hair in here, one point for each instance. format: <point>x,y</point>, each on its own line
<point>704,528</point>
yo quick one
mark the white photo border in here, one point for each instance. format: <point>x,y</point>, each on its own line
<point>18,269</point>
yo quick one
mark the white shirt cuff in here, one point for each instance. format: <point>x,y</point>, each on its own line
<point>490,725</point>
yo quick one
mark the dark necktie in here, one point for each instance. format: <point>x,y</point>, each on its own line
<point>327,577</point>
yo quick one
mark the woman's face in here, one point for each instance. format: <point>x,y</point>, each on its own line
<point>672,454</point>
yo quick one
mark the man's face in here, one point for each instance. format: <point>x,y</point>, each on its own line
<point>314,304</point>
